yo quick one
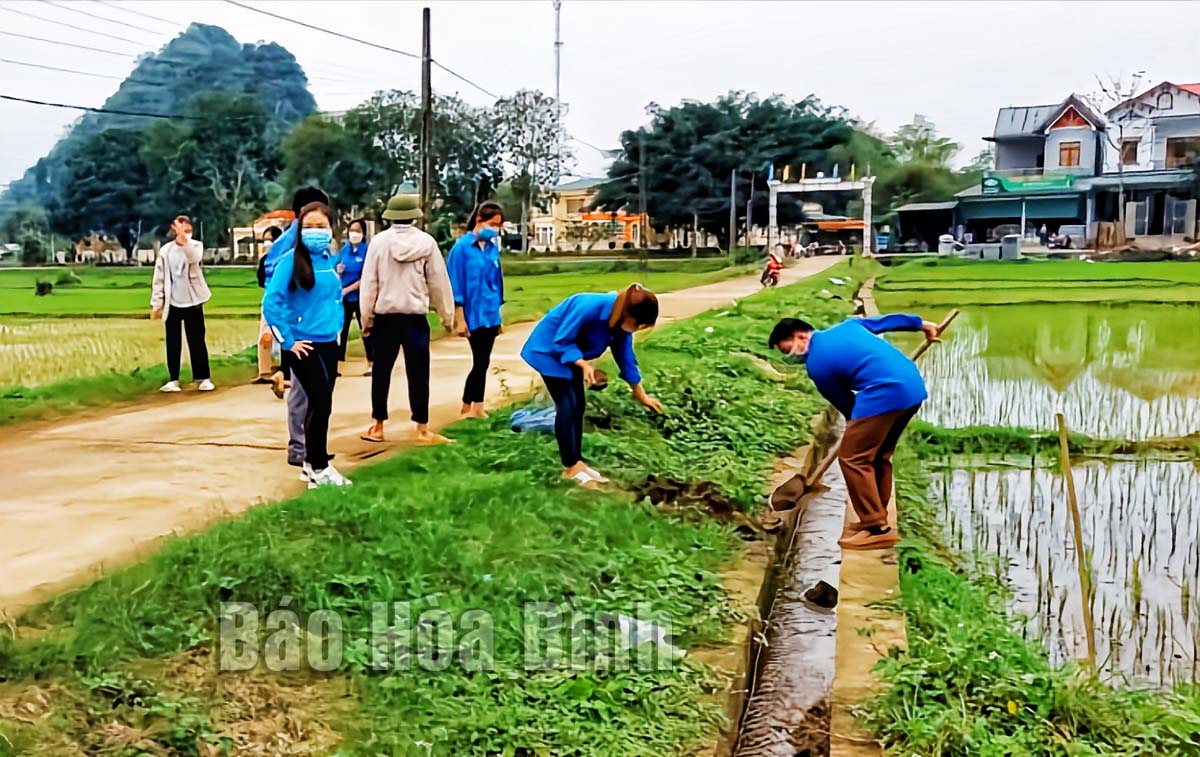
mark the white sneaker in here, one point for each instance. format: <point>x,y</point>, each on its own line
<point>327,477</point>
<point>306,473</point>
<point>595,474</point>
<point>206,385</point>
<point>170,386</point>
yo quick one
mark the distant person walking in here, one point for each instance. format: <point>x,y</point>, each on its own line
<point>265,340</point>
<point>579,329</point>
<point>177,295</point>
<point>303,306</point>
<point>878,389</point>
<point>478,284</point>
<point>350,262</point>
<point>404,275</point>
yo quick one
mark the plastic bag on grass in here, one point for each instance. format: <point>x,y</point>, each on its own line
<point>536,419</point>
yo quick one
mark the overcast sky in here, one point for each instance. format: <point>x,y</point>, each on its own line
<point>955,62</point>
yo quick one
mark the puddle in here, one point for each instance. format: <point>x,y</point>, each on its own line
<point>1126,372</point>
<point>1141,523</point>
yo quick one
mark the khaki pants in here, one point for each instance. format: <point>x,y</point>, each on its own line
<point>866,460</point>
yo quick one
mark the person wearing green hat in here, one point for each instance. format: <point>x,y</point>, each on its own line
<point>403,276</point>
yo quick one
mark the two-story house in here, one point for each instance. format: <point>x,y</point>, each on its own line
<point>1066,164</point>
<point>569,223</point>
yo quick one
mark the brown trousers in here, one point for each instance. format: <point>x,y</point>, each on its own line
<point>866,460</point>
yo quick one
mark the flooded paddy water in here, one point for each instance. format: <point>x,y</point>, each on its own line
<point>1117,372</point>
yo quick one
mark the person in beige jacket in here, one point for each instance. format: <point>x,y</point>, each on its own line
<point>404,274</point>
<point>177,296</point>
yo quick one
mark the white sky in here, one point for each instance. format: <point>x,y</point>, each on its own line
<point>955,62</point>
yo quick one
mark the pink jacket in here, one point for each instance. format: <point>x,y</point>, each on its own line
<point>160,288</point>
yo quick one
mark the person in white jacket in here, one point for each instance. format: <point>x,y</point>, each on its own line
<point>404,275</point>
<point>177,296</point>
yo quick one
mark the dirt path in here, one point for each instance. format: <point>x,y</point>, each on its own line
<point>83,496</point>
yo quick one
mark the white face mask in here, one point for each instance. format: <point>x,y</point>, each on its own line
<point>355,237</point>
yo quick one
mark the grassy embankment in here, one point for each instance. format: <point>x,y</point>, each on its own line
<point>485,524</point>
<point>91,343</point>
<point>969,684</point>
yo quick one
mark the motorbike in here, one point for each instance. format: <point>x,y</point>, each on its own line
<point>770,274</point>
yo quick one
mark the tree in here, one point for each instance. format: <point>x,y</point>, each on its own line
<point>678,168</point>
<point>919,141</point>
<point>323,153</point>
<point>26,225</point>
<point>107,188</point>
<point>530,138</point>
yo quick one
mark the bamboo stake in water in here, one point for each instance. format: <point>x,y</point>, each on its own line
<point>819,473</point>
<point>1085,580</point>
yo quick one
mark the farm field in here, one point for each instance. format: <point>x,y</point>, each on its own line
<point>91,343</point>
<point>484,525</point>
<point>999,660</point>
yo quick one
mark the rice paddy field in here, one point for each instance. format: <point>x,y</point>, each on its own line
<point>91,342</point>
<point>994,594</point>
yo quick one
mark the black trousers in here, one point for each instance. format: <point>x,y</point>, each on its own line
<point>192,321</point>
<point>568,414</point>
<point>317,373</point>
<point>390,333</point>
<point>481,341</point>
<point>353,314</point>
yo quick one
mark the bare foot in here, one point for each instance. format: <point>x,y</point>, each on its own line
<point>466,409</point>
<point>427,436</point>
<point>374,433</point>
<point>474,410</point>
<point>278,384</point>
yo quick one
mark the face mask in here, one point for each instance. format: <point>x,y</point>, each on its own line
<point>795,356</point>
<point>355,237</point>
<point>488,233</point>
<point>316,240</point>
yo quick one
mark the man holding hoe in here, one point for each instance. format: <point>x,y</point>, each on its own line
<point>878,389</point>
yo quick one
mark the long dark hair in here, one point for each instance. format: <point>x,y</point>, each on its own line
<point>485,211</point>
<point>302,268</point>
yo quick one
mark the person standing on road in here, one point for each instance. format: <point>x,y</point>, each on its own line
<point>303,306</point>
<point>878,389</point>
<point>177,295</point>
<point>350,261</point>
<point>578,330</point>
<point>478,284</point>
<point>404,274</point>
<point>265,340</point>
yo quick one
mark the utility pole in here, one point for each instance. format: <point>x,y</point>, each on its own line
<point>750,209</point>
<point>426,161</point>
<point>732,208</point>
<point>558,82</point>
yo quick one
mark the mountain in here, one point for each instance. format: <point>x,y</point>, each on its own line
<point>202,59</point>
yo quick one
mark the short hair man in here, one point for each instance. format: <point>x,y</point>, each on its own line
<point>878,389</point>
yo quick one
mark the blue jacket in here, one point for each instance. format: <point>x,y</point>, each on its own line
<point>861,374</point>
<point>294,313</point>
<point>577,328</point>
<point>279,248</point>
<point>476,280</point>
<point>351,257</point>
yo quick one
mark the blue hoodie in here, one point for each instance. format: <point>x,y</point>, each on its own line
<point>861,374</point>
<point>351,257</point>
<point>279,248</point>
<point>577,329</point>
<point>476,280</point>
<point>294,313</point>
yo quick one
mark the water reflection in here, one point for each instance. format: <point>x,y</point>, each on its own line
<point>1141,522</point>
<point>1116,372</point>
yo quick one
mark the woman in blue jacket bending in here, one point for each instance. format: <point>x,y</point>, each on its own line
<point>303,307</point>
<point>579,329</point>
<point>478,284</point>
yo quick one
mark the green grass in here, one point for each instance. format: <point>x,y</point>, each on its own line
<point>485,524</point>
<point>956,282</point>
<point>969,685</point>
<point>531,288</point>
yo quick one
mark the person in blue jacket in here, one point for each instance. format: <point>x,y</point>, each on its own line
<point>350,261</point>
<point>579,329</point>
<point>478,284</point>
<point>303,307</point>
<point>878,389</point>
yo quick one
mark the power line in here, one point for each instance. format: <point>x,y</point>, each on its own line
<point>460,77</point>
<point>64,70</point>
<point>325,31</point>
<point>68,44</point>
<point>174,24</point>
<point>98,110</point>
<point>53,22</point>
<point>66,7</point>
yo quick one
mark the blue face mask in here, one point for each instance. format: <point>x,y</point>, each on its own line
<point>316,240</point>
<point>487,233</point>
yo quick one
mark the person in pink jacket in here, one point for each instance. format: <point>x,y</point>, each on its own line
<point>177,296</point>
